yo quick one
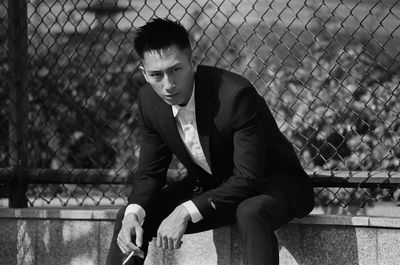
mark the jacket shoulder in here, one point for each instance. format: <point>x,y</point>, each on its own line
<point>222,78</point>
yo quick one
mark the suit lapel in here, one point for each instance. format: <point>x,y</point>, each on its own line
<point>203,117</point>
<point>203,113</point>
<point>167,121</point>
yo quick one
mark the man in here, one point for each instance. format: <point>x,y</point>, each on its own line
<point>241,169</point>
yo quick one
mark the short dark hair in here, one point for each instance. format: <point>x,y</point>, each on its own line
<point>159,34</point>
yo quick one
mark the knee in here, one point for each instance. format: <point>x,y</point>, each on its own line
<point>248,211</point>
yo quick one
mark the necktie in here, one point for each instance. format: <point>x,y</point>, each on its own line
<point>191,137</point>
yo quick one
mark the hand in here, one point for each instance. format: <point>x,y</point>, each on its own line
<point>130,227</point>
<point>173,227</point>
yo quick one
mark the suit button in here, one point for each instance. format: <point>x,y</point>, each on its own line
<point>198,189</point>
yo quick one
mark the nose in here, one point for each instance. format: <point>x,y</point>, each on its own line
<point>169,83</point>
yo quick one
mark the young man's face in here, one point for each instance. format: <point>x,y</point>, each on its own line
<point>171,74</point>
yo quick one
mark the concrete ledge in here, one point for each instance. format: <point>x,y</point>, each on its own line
<point>346,220</point>
<point>62,213</point>
<point>109,214</point>
<point>82,235</point>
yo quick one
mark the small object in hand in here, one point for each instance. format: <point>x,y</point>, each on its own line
<point>139,254</point>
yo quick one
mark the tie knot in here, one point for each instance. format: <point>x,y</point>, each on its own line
<point>187,115</point>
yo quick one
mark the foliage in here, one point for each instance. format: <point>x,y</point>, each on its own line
<point>344,109</point>
<point>334,99</point>
<point>83,101</point>
<point>337,105</point>
<point>334,96</point>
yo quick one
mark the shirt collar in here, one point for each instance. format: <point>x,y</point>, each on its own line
<point>189,106</point>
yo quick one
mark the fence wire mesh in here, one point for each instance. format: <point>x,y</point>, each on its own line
<point>329,70</point>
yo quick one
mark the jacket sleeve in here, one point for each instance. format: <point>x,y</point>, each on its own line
<point>155,157</point>
<point>248,124</point>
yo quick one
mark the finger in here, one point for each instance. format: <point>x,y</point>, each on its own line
<point>159,241</point>
<point>139,237</point>
<point>171,244</point>
<point>126,246</point>
<point>121,245</point>
<point>124,237</point>
<point>132,247</point>
<point>165,243</point>
<point>124,249</point>
<point>177,244</point>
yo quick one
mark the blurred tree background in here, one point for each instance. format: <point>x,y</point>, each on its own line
<point>334,92</point>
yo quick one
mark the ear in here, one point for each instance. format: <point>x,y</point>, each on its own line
<point>194,63</point>
<point>143,72</point>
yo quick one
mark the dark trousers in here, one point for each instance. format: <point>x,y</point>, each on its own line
<point>256,217</point>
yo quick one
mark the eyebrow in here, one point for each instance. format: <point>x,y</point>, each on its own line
<point>169,68</point>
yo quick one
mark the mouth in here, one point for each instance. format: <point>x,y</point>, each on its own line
<point>170,96</point>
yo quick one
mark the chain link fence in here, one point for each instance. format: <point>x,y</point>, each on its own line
<point>329,71</point>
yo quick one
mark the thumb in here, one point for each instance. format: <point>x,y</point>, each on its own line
<point>139,237</point>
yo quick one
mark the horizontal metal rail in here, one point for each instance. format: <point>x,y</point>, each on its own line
<point>351,179</point>
<point>356,179</point>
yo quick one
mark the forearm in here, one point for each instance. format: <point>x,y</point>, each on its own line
<point>227,196</point>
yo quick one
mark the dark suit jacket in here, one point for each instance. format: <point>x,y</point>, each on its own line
<point>240,139</point>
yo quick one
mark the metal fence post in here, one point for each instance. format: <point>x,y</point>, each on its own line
<point>18,93</point>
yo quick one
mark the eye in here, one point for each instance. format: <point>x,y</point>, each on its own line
<point>156,75</point>
<point>175,69</point>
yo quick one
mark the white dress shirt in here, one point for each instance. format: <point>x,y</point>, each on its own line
<point>185,118</point>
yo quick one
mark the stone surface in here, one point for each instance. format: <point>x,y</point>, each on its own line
<point>81,213</point>
<point>17,241</point>
<point>236,246</point>
<point>26,241</point>
<point>328,219</point>
<point>222,238</point>
<point>8,242</point>
<point>74,237</point>
<point>311,244</point>
<point>209,247</point>
<point>67,242</point>
<point>366,245</point>
<point>155,255</point>
<point>388,222</point>
<point>288,236</point>
<point>388,244</point>
<point>106,229</point>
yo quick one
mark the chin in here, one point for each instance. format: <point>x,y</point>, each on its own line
<point>170,102</point>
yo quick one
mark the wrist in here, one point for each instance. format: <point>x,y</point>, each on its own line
<point>130,218</point>
<point>184,213</point>
<point>195,215</point>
